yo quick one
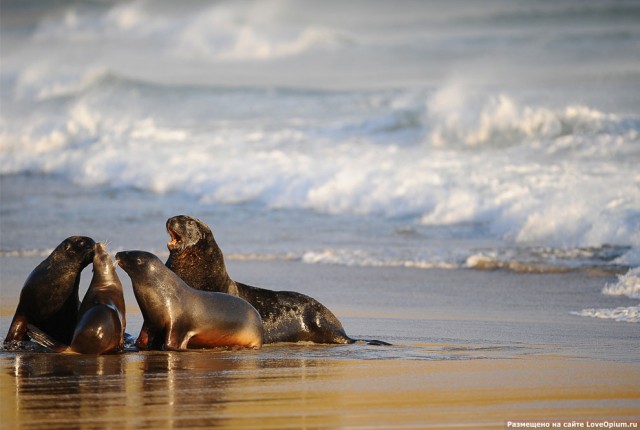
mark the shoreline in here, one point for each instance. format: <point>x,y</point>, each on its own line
<point>403,306</point>
<point>470,349</point>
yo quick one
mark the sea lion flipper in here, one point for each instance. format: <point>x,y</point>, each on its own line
<point>143,338</point>
<point>18,329</point>
<point>176,340</point>
<point>376,342</point>
<point>43,339</point>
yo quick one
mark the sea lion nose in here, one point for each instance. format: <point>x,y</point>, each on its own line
<point>120,256</point>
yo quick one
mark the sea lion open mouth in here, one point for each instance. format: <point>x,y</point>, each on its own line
<point>176,239</point>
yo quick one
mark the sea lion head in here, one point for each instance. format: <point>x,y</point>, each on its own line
<point>138,264</point>
<point>195,256</point>
<point>102,262</point>
<point>186,232</point>
<point>153,284</point>
<point>77,248</point>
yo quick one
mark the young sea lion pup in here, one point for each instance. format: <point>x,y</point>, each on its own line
<point>101,318</point>
<point>183,317</point>
<point>49,298</point>
<point>288,316</point>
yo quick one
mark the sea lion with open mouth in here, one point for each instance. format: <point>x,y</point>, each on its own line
<point>288,316</point>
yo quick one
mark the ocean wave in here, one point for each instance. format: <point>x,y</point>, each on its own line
<point>627,285</point>
<point>521,260</point>
<point>364,258</point>
<point>458,117</point>
<point>250,31</point>
<point>623,314</point>
<point>548,259</point>
<point>565,178</point>
<point>25,253</point>
<point>253,256</point>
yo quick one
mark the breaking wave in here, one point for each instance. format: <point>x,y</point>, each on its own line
<point>558,177</point>
<point>627,285</point>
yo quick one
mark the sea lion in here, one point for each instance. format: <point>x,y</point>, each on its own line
<point>186,318</point>
<point>49,298</point>
<point>288,316</point>
<point>101,318</point>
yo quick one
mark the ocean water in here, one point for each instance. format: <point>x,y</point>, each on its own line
<point>491,135</point>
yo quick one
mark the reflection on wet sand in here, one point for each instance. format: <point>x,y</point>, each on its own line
<point>185,389</point>
<point>149,390</point>
<point>63,391</point>
<point>286,387</point>
<point>143,390</point>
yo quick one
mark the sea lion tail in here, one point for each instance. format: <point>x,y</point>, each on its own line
<point>369,342</point>
<point>43,339</point>
<point>377,342</point>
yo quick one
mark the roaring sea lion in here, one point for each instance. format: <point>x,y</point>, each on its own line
<point>49,298</point>
<point>183,317</point>
<point>288,316</point>
<point>101,318</point>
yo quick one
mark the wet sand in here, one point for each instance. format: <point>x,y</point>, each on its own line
<point>267,389</point>
<point>470,349</point>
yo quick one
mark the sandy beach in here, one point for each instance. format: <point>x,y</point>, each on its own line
<point>453,363</point>
<point>272,390</point>
<point>458,179</point>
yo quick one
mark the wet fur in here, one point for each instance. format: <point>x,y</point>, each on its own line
<point>288,316</point>
<point>101,317</point>
<point>49,298</point>
<point>179,317</point>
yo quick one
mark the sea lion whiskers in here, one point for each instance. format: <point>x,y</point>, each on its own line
<point>106,243</point>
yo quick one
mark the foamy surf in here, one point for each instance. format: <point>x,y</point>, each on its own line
<point>622,314</point>
<point>627,285</point>
<point>569,181</point>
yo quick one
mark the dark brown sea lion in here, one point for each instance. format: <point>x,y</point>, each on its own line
<point>183,317</point>
<point>101,318</point>
<point>288,316</point>
<point>49,297</point>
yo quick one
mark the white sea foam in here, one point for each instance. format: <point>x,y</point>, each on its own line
<point>25,252</point>
<point>527,192</point>
<point>627,285</point>
<point>363,258</point>
<point>624,314</point>
<point>237,102</point>
<point>251,31</point>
